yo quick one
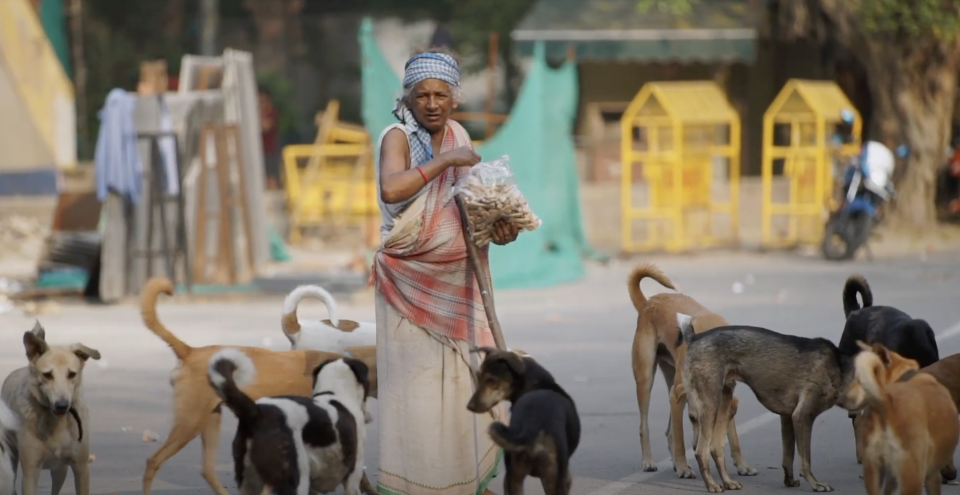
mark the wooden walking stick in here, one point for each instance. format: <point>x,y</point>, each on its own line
<point>482,275</point>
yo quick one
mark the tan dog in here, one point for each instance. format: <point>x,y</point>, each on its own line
<point>47,397</point>
<point>909,429</point>
<point>197,409</point>
<point>657,342</point>
<point>947,372</point>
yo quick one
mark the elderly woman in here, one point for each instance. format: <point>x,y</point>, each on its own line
<point>429,310</point>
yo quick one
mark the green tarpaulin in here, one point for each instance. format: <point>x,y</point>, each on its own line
<point>54,24</point>
<point>538,139</point>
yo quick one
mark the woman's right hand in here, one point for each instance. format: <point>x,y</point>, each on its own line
<point>463,156</point>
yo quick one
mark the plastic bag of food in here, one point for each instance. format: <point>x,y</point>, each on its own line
<point>490,194</point>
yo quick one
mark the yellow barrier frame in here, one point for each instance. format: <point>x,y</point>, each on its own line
<point>678,107</point>
<point>328,190</point>
<point>808,164</point>
<point>322,190</point>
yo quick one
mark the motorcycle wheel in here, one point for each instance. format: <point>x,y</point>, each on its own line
<point>851,234</point>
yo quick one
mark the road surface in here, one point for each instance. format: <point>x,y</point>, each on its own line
<point>581,332</point>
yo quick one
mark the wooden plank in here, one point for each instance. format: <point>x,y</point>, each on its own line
<point>200,237</point>
<point>233,137</point>
<point>227,256</point>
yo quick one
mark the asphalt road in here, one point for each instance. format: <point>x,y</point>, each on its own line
<point>581,332</point>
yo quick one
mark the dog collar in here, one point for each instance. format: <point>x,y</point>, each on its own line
<point>76,416</point>
<point>325,392</point>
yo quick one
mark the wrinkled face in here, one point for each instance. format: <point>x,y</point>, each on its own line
<point>431,102</point>
<point>56,371</point>
<point>495,384</point>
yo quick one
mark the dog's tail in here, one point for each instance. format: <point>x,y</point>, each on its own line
<point>856,284</point>
<point>511,441</point>
<point>148,311</point>
<point>642,271</point>
<point>685,322</point>
<point>229,370</point>
<point>8,419</point>
<point>866,366</point>
<point>289,322</point>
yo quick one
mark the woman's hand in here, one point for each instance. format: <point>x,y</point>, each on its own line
<point>463,156</point>
<point>504,233</point>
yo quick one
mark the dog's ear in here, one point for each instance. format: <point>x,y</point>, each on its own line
<point>313,359</point>
<point>38,330</point>
<point>485,350</point>
<point>84,353</point>
<point>512,360</point>
<point>35,346</point>
<point>864,346</point>
<point>362,372</point>
<point>318,369</point>
<point>882,353</point>
<point>368,356</point>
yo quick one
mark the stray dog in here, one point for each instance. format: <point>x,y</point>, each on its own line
<point>795,377</point>
<point>658,342</point>
<point>909,429</point>
<point>47,398</point>
<point>197,408</point>
<point>544,426</point>
<point>946,371</point>
<point>296,445</point>
<point>9,424</point>
<point>896,330</point>
<point>330,335</point>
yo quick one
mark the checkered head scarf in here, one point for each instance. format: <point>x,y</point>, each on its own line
<point>429,65</point>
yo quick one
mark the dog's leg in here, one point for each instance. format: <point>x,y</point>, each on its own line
<point>365,486</point>
<point>708,420</point>
<point>210,440</point>
<point>58,476</point>
<point>716,447</point>
<point>871,477</point>
<point>857,424</point>
<point>910,479</point>
<point>933,484</point>
<point>180,435</point>
<point>81,477</point>
<point>31,473</point>
<point>743,469</point>
<point>353,485</point>
<point>789,439</point>
<point>548,479</point>
<point>644,367</point>
<point>677,448</point>
<point>803,426</point>
<point>513,484</point>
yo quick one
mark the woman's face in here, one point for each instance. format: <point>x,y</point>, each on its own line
<point>431,102</point>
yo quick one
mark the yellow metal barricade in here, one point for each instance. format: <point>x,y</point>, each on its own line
<point>686,138</point>
<point>337,185</point>
<point>807,112</point>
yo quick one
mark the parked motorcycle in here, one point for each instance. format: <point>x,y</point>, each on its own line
<point>867,186</point>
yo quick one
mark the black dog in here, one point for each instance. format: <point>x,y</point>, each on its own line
<point>544,426</point>
<point>896,330</point>
<point>909,337</point>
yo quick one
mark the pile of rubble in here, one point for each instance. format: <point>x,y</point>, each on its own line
<point>22,237</point>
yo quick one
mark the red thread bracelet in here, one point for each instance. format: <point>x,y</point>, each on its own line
<point>425,180</point>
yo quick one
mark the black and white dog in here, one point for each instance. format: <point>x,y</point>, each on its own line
<point>296,445</point>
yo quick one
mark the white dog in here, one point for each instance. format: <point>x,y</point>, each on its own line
<point>9,423</point>
<point>296,445</point>
<point>330,335</point>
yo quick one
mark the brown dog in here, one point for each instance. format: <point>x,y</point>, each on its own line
<point>657,342</point>
<point>909,428</point>
<point>947,372</point>
<point>197,409</point>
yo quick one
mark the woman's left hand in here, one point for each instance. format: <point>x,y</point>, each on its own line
<point>504,233</point>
